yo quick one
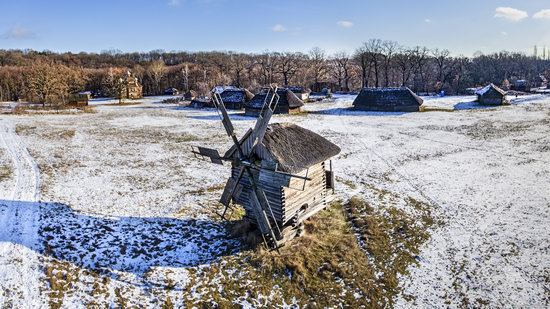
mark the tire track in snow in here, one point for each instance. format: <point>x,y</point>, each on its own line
<point>19,220</point>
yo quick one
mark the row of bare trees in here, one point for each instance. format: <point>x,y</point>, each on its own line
<point>47,76</point>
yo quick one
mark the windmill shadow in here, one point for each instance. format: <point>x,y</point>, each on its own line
<point>107,245</point>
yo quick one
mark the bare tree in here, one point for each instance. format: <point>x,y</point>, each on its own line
<point>388,50</point>
<point>156,71</point>
<point>361,59</point>
<point>373,49</point>
<point>420,56</point>
<point>340,64</point>
<point>442,60</point>
<point>405,63</point>
<point>317,66</point>
<point>267,65</point>
<point>239,63</point>
<point>287,64</point>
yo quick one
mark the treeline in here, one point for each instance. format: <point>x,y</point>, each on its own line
<point>49,77</point>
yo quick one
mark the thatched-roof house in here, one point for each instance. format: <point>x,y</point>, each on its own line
<point>289,103</point>
<point>388,100</point>
<point>171,91</point>
<point>201,102</point>
<point>301,92</point>
<point>190,95</point>
<point>234,98</point>
<point>291,149</point>
<point>491,95</point>
<point>541,82</point>
<point>521,85</point>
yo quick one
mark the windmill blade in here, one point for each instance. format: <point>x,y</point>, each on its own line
<point>218,102</point>
<point>226,121</point>
<point>212,154</point>
<point>262,218</point>
<point>262,207</point>
<point>233,189</point>
<point>270,104</point>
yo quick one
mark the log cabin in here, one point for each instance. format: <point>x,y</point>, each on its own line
<point>491,95</point>
<point>289,103</point>
<point>388,100</point>
<point>290,149</point>
<point>233,97</point>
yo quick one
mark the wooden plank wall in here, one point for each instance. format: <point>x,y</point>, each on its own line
<point>313,194</point>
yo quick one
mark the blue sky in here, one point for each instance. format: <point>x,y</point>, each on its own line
<point>462,26</point>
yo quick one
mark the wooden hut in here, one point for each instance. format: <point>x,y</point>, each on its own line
<point>521,85</point>
<point>301,92</point>
<point>290,149</point>
<point>289,103</point>
<point>190,95</point>
<point>171,91</point>
<point>491,95</point>
<point>234,98</point>
<point>388,100</point>
<point>78,99</point>
<point>541,82</point>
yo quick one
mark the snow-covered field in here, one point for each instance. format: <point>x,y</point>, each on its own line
<point>111,207</point>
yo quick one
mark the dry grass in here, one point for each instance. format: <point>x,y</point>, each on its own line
<point>53,110</point>
<point>50,133</point>
<point>61,277</point>
<point>328,266</point>
<point>391,237</point>
<point>5,172</point>
<point>131,103</point>
<point>436,109</point>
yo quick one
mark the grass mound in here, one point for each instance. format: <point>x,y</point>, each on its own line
<point>351,255</point>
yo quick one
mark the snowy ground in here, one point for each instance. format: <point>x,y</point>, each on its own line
<point>111,207</point>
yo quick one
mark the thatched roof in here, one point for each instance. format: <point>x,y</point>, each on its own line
<point>298,89</point>
<point>287,98</point>
<point>292,147</point>
<point>296,148</point>
<point>388,99</point>
<point>190,94</point>
<point>488,88</point>
<point>233,96</point>
<point>249,95</point>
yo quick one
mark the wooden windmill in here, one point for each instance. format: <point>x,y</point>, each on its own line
<point>278,172</point>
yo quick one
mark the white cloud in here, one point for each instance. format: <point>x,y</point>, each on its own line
<point>510,14</point>
<point>278,28</point>
<point>19,33</point>
<point>504,33</point>
<point>427,20</point>
<point>174,2</point>
<point>345,24</point>
<point>544,14</point>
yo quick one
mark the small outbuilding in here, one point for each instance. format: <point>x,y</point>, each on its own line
<point>521,85</point>
<point>233,97</point>
<point>289,103</point>
<point>491,95</point>
<point>301,92</point>
<point>171,91</point>
<point>388,100</point>
<point>190,95</point>
<point>78,99</point>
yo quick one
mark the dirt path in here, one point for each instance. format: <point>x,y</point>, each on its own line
<point>19,214</point>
